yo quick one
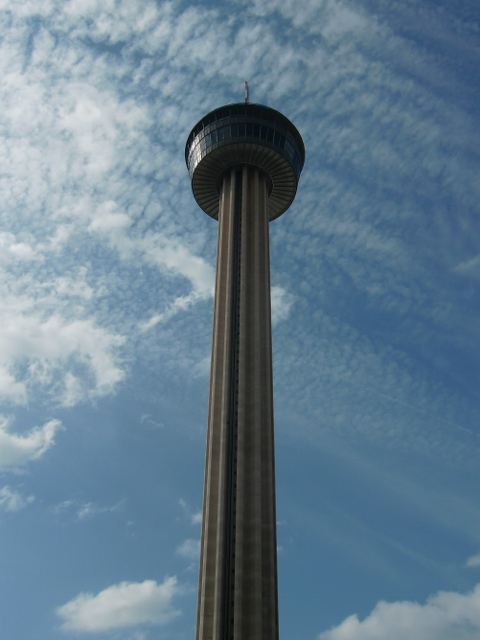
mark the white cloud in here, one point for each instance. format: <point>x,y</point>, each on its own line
<point>189,549</point>
<point>281,304</point>
<point>51,347</point>
<point>17,450</point>
<point>126,604</point>
<point>73,391</point>
<point>9,388</point>
<point>473,562</point>
<point>445,616</point>
<point>107,218</point>
<point>13,250</point>
<point>12,500</point>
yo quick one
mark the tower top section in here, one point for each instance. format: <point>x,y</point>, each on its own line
<point>244,133</point>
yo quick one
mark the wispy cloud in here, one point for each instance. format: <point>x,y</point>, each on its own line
<point>189,549</point>
<point>473,562</point>
<point>81,510</point>
<point>470,268</point>
<point>195,517</point>
<point>13,500</point>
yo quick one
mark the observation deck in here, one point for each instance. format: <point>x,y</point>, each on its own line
<point>244,134</point>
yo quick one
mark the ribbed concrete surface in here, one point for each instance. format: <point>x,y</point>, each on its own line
<point>238,567</point>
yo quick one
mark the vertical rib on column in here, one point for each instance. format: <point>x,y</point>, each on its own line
<point>212,583</point>
<point>256,587</point>
<point>238,574</point>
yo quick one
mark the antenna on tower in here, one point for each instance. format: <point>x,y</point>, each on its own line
<point>247,93</point>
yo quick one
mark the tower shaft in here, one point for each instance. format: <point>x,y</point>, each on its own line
<point>238,567</point>
<point>244,162</point>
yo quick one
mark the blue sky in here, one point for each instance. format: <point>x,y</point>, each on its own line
<point>106,278</point>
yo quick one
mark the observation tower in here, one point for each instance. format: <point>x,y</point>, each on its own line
<point>244,162</point>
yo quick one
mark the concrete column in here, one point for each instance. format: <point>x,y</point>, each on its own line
<point>238,566</point>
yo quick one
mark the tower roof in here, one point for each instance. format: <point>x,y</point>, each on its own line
<point>243,133</point>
